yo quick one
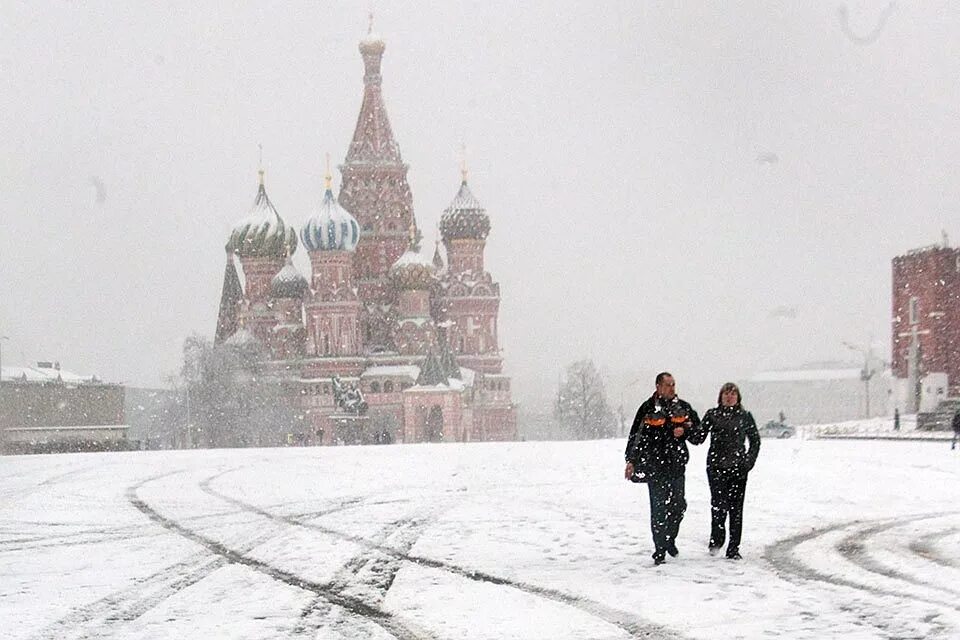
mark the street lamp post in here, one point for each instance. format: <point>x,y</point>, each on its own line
<point>867,372</point>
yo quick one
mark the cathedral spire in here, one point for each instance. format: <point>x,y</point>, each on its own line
<point>230,298</point>
<point>437,258</point>
<point>373,138</point>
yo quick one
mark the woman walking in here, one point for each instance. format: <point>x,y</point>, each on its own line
<point>728,463</point>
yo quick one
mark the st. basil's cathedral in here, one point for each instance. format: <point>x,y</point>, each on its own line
<point>413,339</point>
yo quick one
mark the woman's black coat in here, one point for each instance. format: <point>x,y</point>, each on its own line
<point>730,427</point>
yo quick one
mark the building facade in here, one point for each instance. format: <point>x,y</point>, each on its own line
<point>46,409</point>
<point>925,345</point>
<point>414,339</point>
<point>817,394</point>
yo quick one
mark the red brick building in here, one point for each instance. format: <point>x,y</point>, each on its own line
<point>417,336</point>
<point>926,322</point>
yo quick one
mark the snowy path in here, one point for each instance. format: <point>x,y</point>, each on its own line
<point>521,540</point>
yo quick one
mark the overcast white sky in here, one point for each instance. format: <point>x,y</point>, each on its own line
<point>615,145</point>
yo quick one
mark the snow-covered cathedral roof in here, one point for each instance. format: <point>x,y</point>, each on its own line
<point>262,232</point>
<point>289,282</point>
<point>331,228</point>
<point>465,217</point>
<point>413,270</point>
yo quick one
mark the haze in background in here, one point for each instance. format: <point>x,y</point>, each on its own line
<point>709,190</point>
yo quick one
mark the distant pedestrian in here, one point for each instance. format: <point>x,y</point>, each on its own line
<point>956,429</point>
<point>657,454</point>
<point>728,463</point>
<point>896,419</point>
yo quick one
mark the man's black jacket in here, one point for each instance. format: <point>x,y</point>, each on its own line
<point>652,448</point>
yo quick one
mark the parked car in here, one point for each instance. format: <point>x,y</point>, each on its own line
<point>774,429</point>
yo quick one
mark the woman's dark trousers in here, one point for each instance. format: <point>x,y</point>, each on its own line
<point>727,489</point>
<point>667,505</point>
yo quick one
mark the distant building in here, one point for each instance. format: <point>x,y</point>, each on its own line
<point>818,393</point>
<point>47,409</point>
<point>925,351</point>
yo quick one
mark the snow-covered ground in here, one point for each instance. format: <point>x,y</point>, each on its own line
<point>852,539</point>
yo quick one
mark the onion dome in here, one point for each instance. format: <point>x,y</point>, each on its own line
<point>412,270</point>
<point>331,228</point>
<point>263,233</point>
<point>465,217</point>
<point>288,283</point>
<point>372,43</point>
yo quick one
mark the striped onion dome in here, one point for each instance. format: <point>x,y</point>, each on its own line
<point>412,270</point>
<point>262,233</point>
<point>288,283</point>
<point>465,217</point>
<point>331,228</point>
<point>372,43</point>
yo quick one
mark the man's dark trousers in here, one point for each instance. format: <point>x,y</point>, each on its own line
<point>667,505</point>
<point>727,489</point>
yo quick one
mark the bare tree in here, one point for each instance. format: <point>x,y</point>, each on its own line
<point>230,403</point>
<point>582,408</point>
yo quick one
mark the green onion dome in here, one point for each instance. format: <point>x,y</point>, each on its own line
<point>465,217</point>
<point>262,233</point>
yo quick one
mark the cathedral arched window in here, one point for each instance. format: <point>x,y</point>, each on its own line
<point>374,387</point>
<point>388,387</point>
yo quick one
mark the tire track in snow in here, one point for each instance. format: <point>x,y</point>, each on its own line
<point>131,602</point>
<point>16,495</point>
<point>855,548</point>
<point>633,625</point>
<point>128,604</point>
<point>368,575</point>
<point>925,547</point>
<point>123,532</point>
<point>355,606</point>
<point>780,555</point>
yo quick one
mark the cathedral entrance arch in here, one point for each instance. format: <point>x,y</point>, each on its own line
<point>433,429</point>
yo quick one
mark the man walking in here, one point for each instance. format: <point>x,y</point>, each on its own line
<point>657,454</point>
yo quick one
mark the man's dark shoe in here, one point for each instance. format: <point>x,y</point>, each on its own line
<point>712,550</point>
<point>658,559</point>
<point>734,555</point>
<point>672,550</point>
